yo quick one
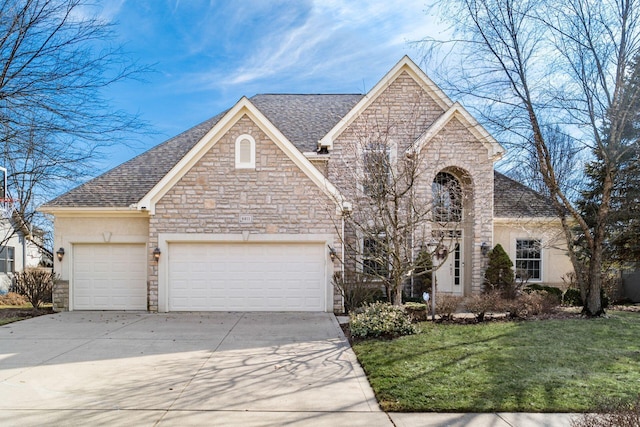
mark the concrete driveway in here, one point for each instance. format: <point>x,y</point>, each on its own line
<point>92,368</point>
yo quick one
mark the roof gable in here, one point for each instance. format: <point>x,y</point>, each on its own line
<point>404,65</point>
<point>242,108</point>
<point>457,111</point>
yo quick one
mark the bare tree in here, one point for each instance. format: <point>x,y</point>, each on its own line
<point>56,61</point>
<point>565,63</point>
<point>398,209</point>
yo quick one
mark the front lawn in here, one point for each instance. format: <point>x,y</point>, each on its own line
<point>568,365</point>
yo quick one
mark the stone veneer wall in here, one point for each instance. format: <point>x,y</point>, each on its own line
<point>213,194</point>
<point>407,111</point>
<point>61,295</point>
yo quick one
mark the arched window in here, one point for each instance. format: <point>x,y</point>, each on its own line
<point>447,198</point>
<point>245,152</point>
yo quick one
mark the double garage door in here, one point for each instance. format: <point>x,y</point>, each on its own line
<point>203,277</point>
<point>246,277</point>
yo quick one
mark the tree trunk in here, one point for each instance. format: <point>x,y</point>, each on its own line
<point>593,301</point>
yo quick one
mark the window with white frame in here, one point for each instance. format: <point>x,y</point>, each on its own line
<point>375,261</point>
<point>529,259</point>
<point>7,260</point>
<point>377,169</point>
<point>245,152</point>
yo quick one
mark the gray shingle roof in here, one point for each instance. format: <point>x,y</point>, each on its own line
<point>128,183</point>
<point>512,199</point>
<point>303,119</point>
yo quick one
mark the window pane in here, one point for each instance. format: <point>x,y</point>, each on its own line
<point>528,259</point>
<point>245,151</point>
<point>374,261</point>
<point>447,198</point>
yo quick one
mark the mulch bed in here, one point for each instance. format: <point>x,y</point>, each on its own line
<point>8,313</point>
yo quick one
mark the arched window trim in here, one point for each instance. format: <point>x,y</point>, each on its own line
<point>447,197</point>
<point>244,163</point>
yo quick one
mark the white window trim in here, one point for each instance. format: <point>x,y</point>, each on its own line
<point>245,165</point>
<point>515,258</point>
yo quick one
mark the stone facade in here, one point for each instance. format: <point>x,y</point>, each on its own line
<point>212,195</point>
<point>397,118</point>
<point>61,295</point>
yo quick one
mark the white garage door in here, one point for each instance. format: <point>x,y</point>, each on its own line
<point>246,277</point>
<point>109,277</point>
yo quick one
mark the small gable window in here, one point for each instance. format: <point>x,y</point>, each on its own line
<point>245,152</point>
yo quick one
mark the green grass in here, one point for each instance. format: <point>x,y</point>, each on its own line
<point>537,366</point>
<point>8,320</point>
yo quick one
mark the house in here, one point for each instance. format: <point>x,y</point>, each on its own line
<point>20,248</point>
<point>245,211</point>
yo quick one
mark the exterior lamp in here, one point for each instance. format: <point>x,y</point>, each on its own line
<point>156,254</point>
<point>332,253</point>
<point>484,248</point>
<point>60,254</point>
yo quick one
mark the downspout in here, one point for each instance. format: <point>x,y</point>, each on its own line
<point>342,253</point>
<point>24,251</point>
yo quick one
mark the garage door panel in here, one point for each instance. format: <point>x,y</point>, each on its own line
<point>109,277</point>
<point>247,276</point>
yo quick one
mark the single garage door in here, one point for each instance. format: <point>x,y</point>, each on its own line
<point>246,277</point>
<point>109,277</point>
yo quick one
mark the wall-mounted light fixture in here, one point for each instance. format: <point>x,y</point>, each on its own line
<point>332,253</point>
<point>484,248</point>
<point>156,254</point>
<point>60,254</point>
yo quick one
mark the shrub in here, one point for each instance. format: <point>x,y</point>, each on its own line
<point>35,284</point>
<point>499,273</point>
<point>612,414</point>
<point>381,319</point>
<point>479,305</point>
<point>551,290</point>
<point>356,290</point>
<point>447,305</point>
<point>13,298</point>
<point>422,274</point>
<point>531,304</point>
<point>572,297</point>
<point>418,312</point>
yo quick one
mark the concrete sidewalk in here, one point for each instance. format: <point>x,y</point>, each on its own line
<point>249,369</point>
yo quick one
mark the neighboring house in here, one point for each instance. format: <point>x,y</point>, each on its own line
<point>20,248</point>
<point>240,212</point>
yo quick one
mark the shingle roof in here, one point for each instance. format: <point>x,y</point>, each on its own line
<point>303,119</point>
<point>512,199</point>
<point>128,183</point>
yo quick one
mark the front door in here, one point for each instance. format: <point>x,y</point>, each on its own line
<point>449,275</point>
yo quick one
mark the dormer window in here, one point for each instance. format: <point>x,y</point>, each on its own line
<point>245,152</point>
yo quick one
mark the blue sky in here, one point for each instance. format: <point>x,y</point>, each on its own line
<point>208,54</point>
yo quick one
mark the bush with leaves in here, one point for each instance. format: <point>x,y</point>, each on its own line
<point>499,273</point>
<point>417,311</point>
<point>35,284</point>
<point>381,319</point>
<point>422,273</point>
<point>572,297</point>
